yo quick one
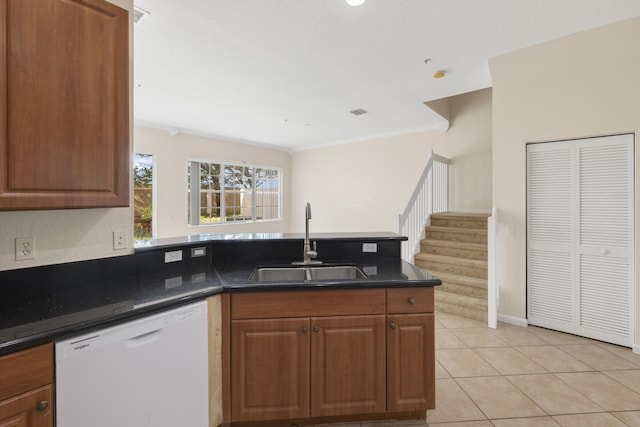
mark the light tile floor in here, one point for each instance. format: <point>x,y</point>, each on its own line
<point>527,377</point>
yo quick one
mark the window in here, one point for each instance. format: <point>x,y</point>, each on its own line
<point>224,192</point>
<point>142,195</point>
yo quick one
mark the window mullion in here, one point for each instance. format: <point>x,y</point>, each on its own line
<point>223,195</point>
<point>254,191</point>
<point>195,194</point>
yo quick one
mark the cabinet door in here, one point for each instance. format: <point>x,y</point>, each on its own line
<point>410,362</point>
<point>269,369</point>
<point>32,409</point>
<point>347,365</point>
<point>64,104</point>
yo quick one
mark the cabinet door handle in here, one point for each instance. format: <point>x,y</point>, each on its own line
<point>42,405</point>
<point>305,329</point>
<point>392,325</point>
<point>316,328</point>
<point>411,301</point>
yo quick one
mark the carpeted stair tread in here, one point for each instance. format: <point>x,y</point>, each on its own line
<point>470,291</point>
<point>459,279</point>
<point>450,244</point>
<point>461,266</point>
<point>443,259</point>
<point>460,220</point>
<point>459,299</point>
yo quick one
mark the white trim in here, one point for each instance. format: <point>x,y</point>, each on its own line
<point>636,348</point>
<point>513,320</point>
<point>492,270</point>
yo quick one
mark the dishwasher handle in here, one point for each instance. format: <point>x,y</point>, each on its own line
<point>144,339</point>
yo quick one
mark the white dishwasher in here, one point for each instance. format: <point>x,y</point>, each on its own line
<point>151,372</point>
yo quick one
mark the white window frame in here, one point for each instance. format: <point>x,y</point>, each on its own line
<point>195,191</point>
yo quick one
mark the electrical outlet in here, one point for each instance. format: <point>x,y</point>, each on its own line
<point>172,256</point>
<point>370,247</point>
<point>25,248</point>
<point>173,282</point>
<point>198,252</point>
<point>120,239</point>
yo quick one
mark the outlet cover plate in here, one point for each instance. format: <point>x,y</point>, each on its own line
<point>25,248</point>
<point>370,247</point>
<point>172,256</point>
<point>119,239</point>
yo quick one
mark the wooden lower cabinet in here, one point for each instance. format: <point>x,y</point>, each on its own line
<point>31,409</point>
<point>347,365</point>
<point>346,360</point>
<point>26,388</point>
<point>270,371</point>
<point>410,362</point>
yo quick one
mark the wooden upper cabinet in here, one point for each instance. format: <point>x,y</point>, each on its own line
<point>64,94</point>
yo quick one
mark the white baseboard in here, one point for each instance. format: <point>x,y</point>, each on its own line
<point>636,348</point>
<point>513,320</point>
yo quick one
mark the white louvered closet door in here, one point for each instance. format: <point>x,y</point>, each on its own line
<point>580,257</point>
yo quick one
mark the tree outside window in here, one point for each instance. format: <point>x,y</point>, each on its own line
<point>142,196</point>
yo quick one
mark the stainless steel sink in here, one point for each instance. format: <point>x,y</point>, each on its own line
<point>307,273</point>
<point>336,272</point>
<point>278,274</point>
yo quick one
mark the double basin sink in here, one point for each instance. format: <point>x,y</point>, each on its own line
<point>304,273</point>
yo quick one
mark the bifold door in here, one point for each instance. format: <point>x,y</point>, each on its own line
<point>580,237</point>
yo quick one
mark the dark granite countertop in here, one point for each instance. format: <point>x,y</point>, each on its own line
<point>40,304</point>
<point>380,273</point>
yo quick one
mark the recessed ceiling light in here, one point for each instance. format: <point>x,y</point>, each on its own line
<point>358,112</point>
<point>439,74</point>
<point>355,2</point>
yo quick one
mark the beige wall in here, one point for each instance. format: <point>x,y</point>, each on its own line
<point>171,154</point>
<point>67,235</point>
<point>586,84</point>
<point>363,186</point>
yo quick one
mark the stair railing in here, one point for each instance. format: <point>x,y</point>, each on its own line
<point>492,269</point>
<point>430,196</point>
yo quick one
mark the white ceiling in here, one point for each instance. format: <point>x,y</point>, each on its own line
<point>287,73</point>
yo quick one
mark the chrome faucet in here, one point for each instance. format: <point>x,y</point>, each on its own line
<point>309,254</point>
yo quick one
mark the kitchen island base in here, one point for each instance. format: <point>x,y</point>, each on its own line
<point>304,357</point>
<point>401,416</point>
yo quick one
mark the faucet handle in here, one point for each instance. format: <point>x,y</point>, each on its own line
<point>313,253</point>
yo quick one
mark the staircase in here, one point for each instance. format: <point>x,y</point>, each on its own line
<point>455,251</point>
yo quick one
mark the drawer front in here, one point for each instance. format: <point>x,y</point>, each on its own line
<point>26,370</point>
<point>410,300</point>
<point>326,302</point>
<point>32,409</point>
